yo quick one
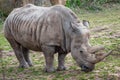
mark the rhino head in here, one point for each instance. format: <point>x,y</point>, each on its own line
<point>81,50</point>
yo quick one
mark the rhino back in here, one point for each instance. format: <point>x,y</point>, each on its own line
<point>33,26</point>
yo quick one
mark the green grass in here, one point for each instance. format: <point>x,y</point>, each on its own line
<point>108,69</point>
<point>3,42</point>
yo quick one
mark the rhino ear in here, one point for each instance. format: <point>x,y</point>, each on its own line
<point>85,23</point>
<point>74,27</point>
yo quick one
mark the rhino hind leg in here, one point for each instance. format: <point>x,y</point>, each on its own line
<point>61,61</point>
<point>26,56</point>
<point>18,52</point>
<point>48,52</point>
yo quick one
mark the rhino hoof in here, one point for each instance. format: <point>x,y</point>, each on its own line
<point>61,68</point>
<point>30,65</point>
<point>49,70</point>
<point>23,66</point>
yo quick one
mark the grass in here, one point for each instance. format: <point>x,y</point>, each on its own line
<point>108,69</point>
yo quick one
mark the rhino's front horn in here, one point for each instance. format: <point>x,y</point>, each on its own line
<point>95,49</point>
<point>100,56</point>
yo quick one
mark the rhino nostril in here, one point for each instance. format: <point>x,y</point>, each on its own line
<point>84,67</point>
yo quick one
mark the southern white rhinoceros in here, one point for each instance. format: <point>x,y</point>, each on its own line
<point>50,30</point>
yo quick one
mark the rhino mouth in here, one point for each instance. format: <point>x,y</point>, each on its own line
<point>87,66</point>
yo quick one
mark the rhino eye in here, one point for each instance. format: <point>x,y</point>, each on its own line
<point>81,51</point>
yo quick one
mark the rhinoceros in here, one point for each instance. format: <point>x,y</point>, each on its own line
<point>51,30</point>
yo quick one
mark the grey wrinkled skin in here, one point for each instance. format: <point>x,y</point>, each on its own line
<point>49,30</point>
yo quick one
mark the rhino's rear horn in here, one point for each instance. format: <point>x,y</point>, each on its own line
<point>96,49</point>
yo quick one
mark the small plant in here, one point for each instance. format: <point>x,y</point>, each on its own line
<point>2,17</point>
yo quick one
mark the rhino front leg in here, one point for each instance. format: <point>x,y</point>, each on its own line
<point>49,58</point>
<point>61,61</point>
